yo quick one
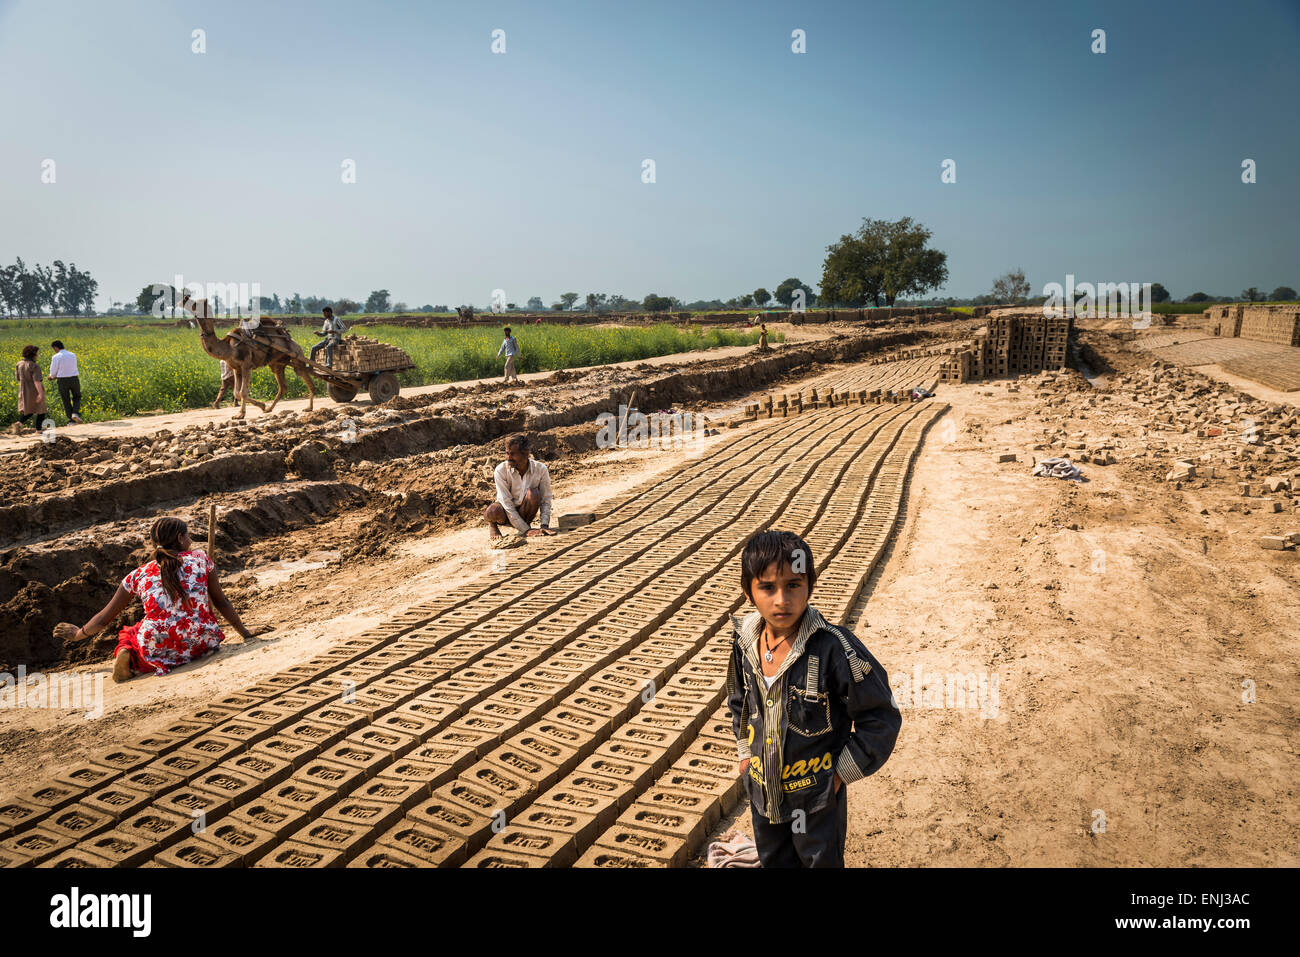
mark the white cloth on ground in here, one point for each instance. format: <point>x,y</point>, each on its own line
<point>733,849</point>
<point>1057,468</point>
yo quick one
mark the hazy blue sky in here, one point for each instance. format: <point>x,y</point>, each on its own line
<point>522,171</point>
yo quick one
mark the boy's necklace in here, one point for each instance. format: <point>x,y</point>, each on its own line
<point>767,655</point>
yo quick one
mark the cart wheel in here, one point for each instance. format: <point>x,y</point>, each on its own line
<point>383,387</point>
<point>342,393</point>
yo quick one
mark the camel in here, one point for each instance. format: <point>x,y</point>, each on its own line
<point>244,355</point>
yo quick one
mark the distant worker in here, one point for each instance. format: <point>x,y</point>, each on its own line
<point>179,591</point>
<point>31,390</point>
<point>332,329</point>
<point>510,347</point>
<point>63,370</point>
<point>227,384</point>
<point>762,339</point>
<point>523,490</point>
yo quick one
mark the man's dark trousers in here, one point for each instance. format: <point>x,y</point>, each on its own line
<point>70,393</point>
<point>818,843</point>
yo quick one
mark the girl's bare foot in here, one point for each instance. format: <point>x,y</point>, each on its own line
<point>122,666</point>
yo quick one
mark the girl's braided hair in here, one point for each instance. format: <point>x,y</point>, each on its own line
<point>166,535</point>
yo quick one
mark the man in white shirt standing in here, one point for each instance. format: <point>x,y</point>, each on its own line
<point>523,491</point>
<point>510,347</point>
<point>63,370</point>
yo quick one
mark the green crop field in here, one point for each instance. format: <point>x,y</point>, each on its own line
<point>133,366</point>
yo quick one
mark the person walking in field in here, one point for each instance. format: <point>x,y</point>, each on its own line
<point>810,707</point>
<point>523,491</point>
<point>332,329</point>
<point>227,384</point>
<point>762,339</point>
<point>63,370</point>
<point>510,348</point>
<point>175,588</point>
<point>31,390</point>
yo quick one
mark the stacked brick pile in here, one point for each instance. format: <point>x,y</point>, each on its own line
<point>1276,324</point>
<point>359,354</point>
<point>1013,345</point>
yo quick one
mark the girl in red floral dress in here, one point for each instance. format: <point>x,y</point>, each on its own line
<point>178,624</point>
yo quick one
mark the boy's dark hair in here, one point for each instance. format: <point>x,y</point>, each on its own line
<point>57,344</point>
<point>519,442</point>
<point>507,330</point>
<point>784,548</point>
<point>328,311</point>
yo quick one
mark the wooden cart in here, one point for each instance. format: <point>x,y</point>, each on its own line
<point>361,363</point>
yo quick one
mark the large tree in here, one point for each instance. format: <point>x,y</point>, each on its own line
<point>1198,297</point>
<point>1159,293</point>
<point>761,296</point>
<point>1011,287</point>
<point>377,301</point>
<point>568,298</point>
<point>1283,294</point>
<point>785,293</point>
<point>882,260</point>
<point>654,303</point>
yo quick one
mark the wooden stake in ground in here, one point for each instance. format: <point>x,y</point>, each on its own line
<point>212,532</point>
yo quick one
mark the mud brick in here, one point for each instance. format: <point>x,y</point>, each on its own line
<point>75,857</point>
<point>481,739</point>
<point>425,674</point>
<point>277,683</point>
<point>508,787</point>
<point>582,741</point>
<point>271,817</point>
<point>116,801</point>
<point>392,742</point>
<point>301,697</point>
<point>79,821</point>
<point>314,734</point>
<point>547,690</point>
<point>349,838</point>
<point>261,766</point>
<point>689,712</point>
<point>347,717</point>
<point>660,721</point>
<point>424,776</point>
<point>457,756</point>
<point>513,713</point>
<point>339,778</point>
<point>155,824</point>
<point>371,698</point>
<point>661,746</point>
<point>240,838</point>
<point>18,816</point>
<point>245,732</point>
<point>460,698</point>
<point>198,852</point>
<point>404,794</point>
<point>270,716</point>
<point>599,856</point>
<point>227,782</point>
<point>182,763</point>
<point>590,723</point>
<point>376,816</point>
<point>151,779</point>
<point>525,847</point>
<point>406,722</point>
<point>719,728</point>
<point>619,787</point>
<point>561,756</point>
<point>668,851</point>
<point>87,776</point>
<point>445,812</point>
<point>122,759</point>
<point>686,826</point>
<point>580,827</point>
<point>51,795</point>
<point>239,702</point>
<point>210,716</point>
<point>429,845</point>
<point>217,746</point>
<point>36,844</point>
<point>705,805</point>
<point>723,767</point>
<point>281,748</point>
<point>677,779</point>
<point>624,761</point>
<point>382,855</point>
<point>368,760</point>
<point>612,700</point>
<point>191,802</point>
<point>676,693</point>
<point>297,854</point>
<point>310,797</point>
<point>160,743</point>
<point>430,709</point>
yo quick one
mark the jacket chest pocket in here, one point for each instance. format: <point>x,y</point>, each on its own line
<point>808,707</point>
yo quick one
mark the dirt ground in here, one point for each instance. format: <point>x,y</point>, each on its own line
<point>1116,624</point>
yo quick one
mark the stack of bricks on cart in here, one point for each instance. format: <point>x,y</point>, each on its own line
<point>359,354</point>
<point>1276,324</point>
<point>1011,346</point>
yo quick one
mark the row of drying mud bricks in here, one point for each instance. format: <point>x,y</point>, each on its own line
<point>769,406</point>
<point>1014,344</point>
<point>1276,324</point>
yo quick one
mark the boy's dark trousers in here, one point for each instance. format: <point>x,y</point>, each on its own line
<point>818,843</point>
<point>70,393</point>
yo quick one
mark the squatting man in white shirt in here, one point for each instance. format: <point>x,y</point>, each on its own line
<point>523,491</point>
